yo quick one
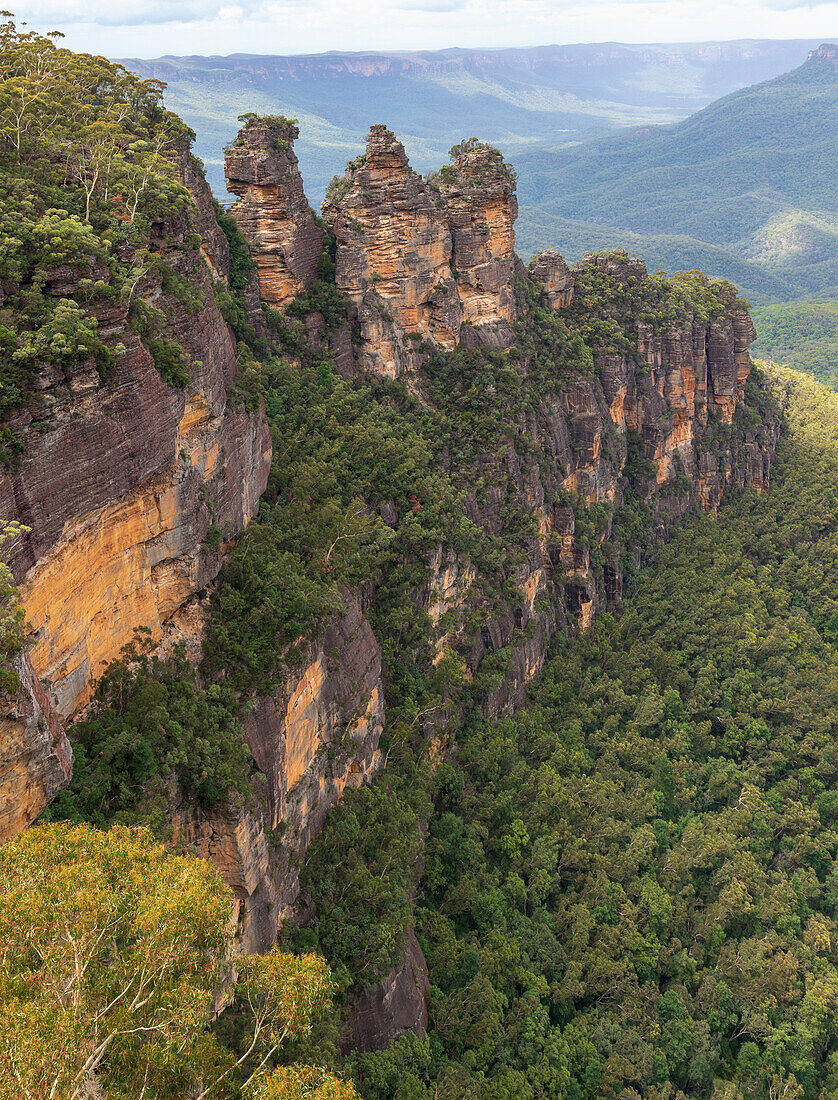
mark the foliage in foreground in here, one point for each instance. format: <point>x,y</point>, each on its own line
<point>112,952</point>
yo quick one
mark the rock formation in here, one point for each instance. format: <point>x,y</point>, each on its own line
<point>122,477</point>
<point>554,276</point>
<point>393,255</point>
<point>36,760</point>
<point>121,480</point>
<point>317,734</point>
<point>419,259</point>
<point>273,212</point>
<point>480,206</point>
<point>396,1005</point>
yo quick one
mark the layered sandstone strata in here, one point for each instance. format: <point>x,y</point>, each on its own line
<point>644,417</point>
<point>316,735</point>
<point>273,212</point>
<point>421,258</point>
<point>36,760</point>
<point>478,190</point>
<point>555,278</point>
<point>393,255</point>
<point>120,482</point>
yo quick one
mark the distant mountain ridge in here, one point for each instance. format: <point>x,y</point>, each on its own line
<point>523,100</point>
<point>747,187</point>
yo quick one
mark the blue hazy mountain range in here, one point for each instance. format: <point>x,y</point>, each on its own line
<point>710,155</point>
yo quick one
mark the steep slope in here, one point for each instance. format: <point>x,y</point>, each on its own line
<point>467,458</point>
<point>753,174</point>
<point>129,456</point>
<point>628,889</point>
<point>464,501</point>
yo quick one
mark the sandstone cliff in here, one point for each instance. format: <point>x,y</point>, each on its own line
<point>122,477</point>
<point>317,734</point>
<point>36,760</point>
<point>273,212</point>
<point>429,269</point>
<point>420,259</point>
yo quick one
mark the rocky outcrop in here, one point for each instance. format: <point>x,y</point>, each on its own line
<point>273,212</point>
<point>659,419</point>
<point>122,543</point>
<point>393,255</point>
<point>36,760</point>
<point>397,1005</point>
<point>665,392</point>
<point>126,559</point>
<point>554,277</point>
<point>419,259</point>
<point>826,54</point>
<point>478,190</point>
<point>312,738</point>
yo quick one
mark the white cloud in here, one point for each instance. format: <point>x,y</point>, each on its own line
<point>149,28</point>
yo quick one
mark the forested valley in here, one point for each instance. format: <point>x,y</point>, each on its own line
<point>630,887</point>
<point>624,887</point>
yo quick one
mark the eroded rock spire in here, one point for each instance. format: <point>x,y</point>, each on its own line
<point>273,212</point>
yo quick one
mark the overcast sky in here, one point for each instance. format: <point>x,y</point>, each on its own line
<point>149,28</point>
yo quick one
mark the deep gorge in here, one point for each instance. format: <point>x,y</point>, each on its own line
<point>358,480</point>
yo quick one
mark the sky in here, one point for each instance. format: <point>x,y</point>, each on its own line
<point>151,28</point>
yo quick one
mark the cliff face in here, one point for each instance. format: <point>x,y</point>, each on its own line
<point>273,212</point>
<point>662,421</point>
<point>555,278</point>
<point>316,735</point>
<point>122,477</point>
<point>480,207</point>
<point>419,259</point>
<point>36,760</point>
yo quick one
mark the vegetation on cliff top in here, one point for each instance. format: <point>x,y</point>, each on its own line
<point>87,162</point>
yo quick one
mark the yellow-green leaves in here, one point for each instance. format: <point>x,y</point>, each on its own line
<point>285,990</point>
<point>110,953</point>
<point>300,1083</point>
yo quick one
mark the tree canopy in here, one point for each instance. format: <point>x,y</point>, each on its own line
<point>113,953</point>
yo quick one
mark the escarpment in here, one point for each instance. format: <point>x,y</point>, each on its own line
<point>128,485</point>
<point>577,412</point>
<point>494,447</point>
<point>36,761</point>
<point>317,734</point>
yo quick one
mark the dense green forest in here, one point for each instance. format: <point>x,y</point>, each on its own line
<point>802,335</point>
<point>630,888</point>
